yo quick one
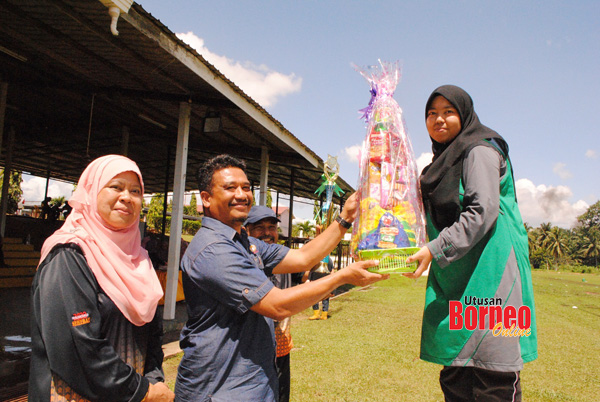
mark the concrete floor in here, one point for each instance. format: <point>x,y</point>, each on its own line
<point>15,338</point>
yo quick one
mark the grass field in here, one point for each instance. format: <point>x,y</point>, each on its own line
<point>369,349</point>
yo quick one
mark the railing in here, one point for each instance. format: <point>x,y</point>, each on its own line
<point>340,255</point>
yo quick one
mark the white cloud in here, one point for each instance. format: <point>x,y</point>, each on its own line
<point>352,153</point>
<point>34,188</point>
<point>542,203</point>
<point>561,170</point>
<point>591,154</point>
<point>538,204</point>
<point>423,160</point>
<point>262,84</point>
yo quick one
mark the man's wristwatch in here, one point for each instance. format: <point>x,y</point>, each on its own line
<point>343,223</point>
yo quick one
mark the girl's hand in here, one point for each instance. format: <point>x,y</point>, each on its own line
<point>424,257</point>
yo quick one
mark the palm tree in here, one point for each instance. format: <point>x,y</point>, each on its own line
<point>306,228</point>
<point>532,235</point>
<point>543,234</point>
<point>56,204</point>
<point>590,246</point>
<point>556,242</point>
<point>58,200</point>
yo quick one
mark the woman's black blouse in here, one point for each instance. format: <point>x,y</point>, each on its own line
<point>83,347</point>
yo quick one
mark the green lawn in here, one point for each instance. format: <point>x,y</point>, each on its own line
<point>187,238</point>
<point>368,350</point>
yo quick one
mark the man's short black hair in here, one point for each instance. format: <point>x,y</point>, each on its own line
<point>207,169</point>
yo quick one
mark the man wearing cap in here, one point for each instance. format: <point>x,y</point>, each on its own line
<point>228,340</point>
<point>262,224</point>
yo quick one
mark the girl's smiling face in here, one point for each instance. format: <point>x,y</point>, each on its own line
<point>443,121</point>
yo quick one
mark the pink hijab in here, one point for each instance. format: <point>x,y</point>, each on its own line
<point>119,263</point>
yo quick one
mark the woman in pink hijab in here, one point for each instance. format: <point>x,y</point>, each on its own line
<point>95,332</point>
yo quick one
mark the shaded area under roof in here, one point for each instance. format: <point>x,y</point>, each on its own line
<point>75,92</point>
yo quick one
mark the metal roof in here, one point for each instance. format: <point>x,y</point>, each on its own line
<point>73,87</point>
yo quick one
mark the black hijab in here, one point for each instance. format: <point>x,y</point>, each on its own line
<point>440,179</point>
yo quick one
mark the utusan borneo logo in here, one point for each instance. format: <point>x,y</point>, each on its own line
<point>472,312</point>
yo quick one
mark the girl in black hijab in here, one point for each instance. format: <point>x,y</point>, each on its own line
<point>444,173</point>
<point>479,257</point>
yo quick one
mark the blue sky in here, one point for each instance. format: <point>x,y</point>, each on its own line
<point>531,67</point>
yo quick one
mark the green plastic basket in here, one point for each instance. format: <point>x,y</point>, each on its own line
<point>391,260</point>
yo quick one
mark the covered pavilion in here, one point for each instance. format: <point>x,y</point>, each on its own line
<point>71,90</point>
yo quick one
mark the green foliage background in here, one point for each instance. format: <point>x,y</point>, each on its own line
<point>14,190</point>
<point>576,249</point>
<point>154,218</point>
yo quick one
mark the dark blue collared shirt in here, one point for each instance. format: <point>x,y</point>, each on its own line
<point>229,350</point>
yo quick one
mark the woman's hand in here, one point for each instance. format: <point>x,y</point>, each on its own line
<point>424,257</point>
<point>159,392</point>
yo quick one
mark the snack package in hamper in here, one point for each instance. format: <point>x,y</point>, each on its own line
<point>390,225</point>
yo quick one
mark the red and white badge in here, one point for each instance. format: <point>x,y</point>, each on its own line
<point>78,319</point>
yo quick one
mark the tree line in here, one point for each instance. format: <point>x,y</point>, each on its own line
<point>551,246</point>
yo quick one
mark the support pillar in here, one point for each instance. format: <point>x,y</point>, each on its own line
<point>7,158</point>
<point>47,184</point>
<point>264,175</point>
<point>6,179</point>
<point>183,133</point>
<point>291,209</point>
<point>166,195</point>
<point>3,95</point>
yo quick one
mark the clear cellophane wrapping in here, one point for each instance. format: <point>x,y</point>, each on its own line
<point>390,214</point>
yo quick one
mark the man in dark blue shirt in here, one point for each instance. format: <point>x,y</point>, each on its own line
<point>228,341</point>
